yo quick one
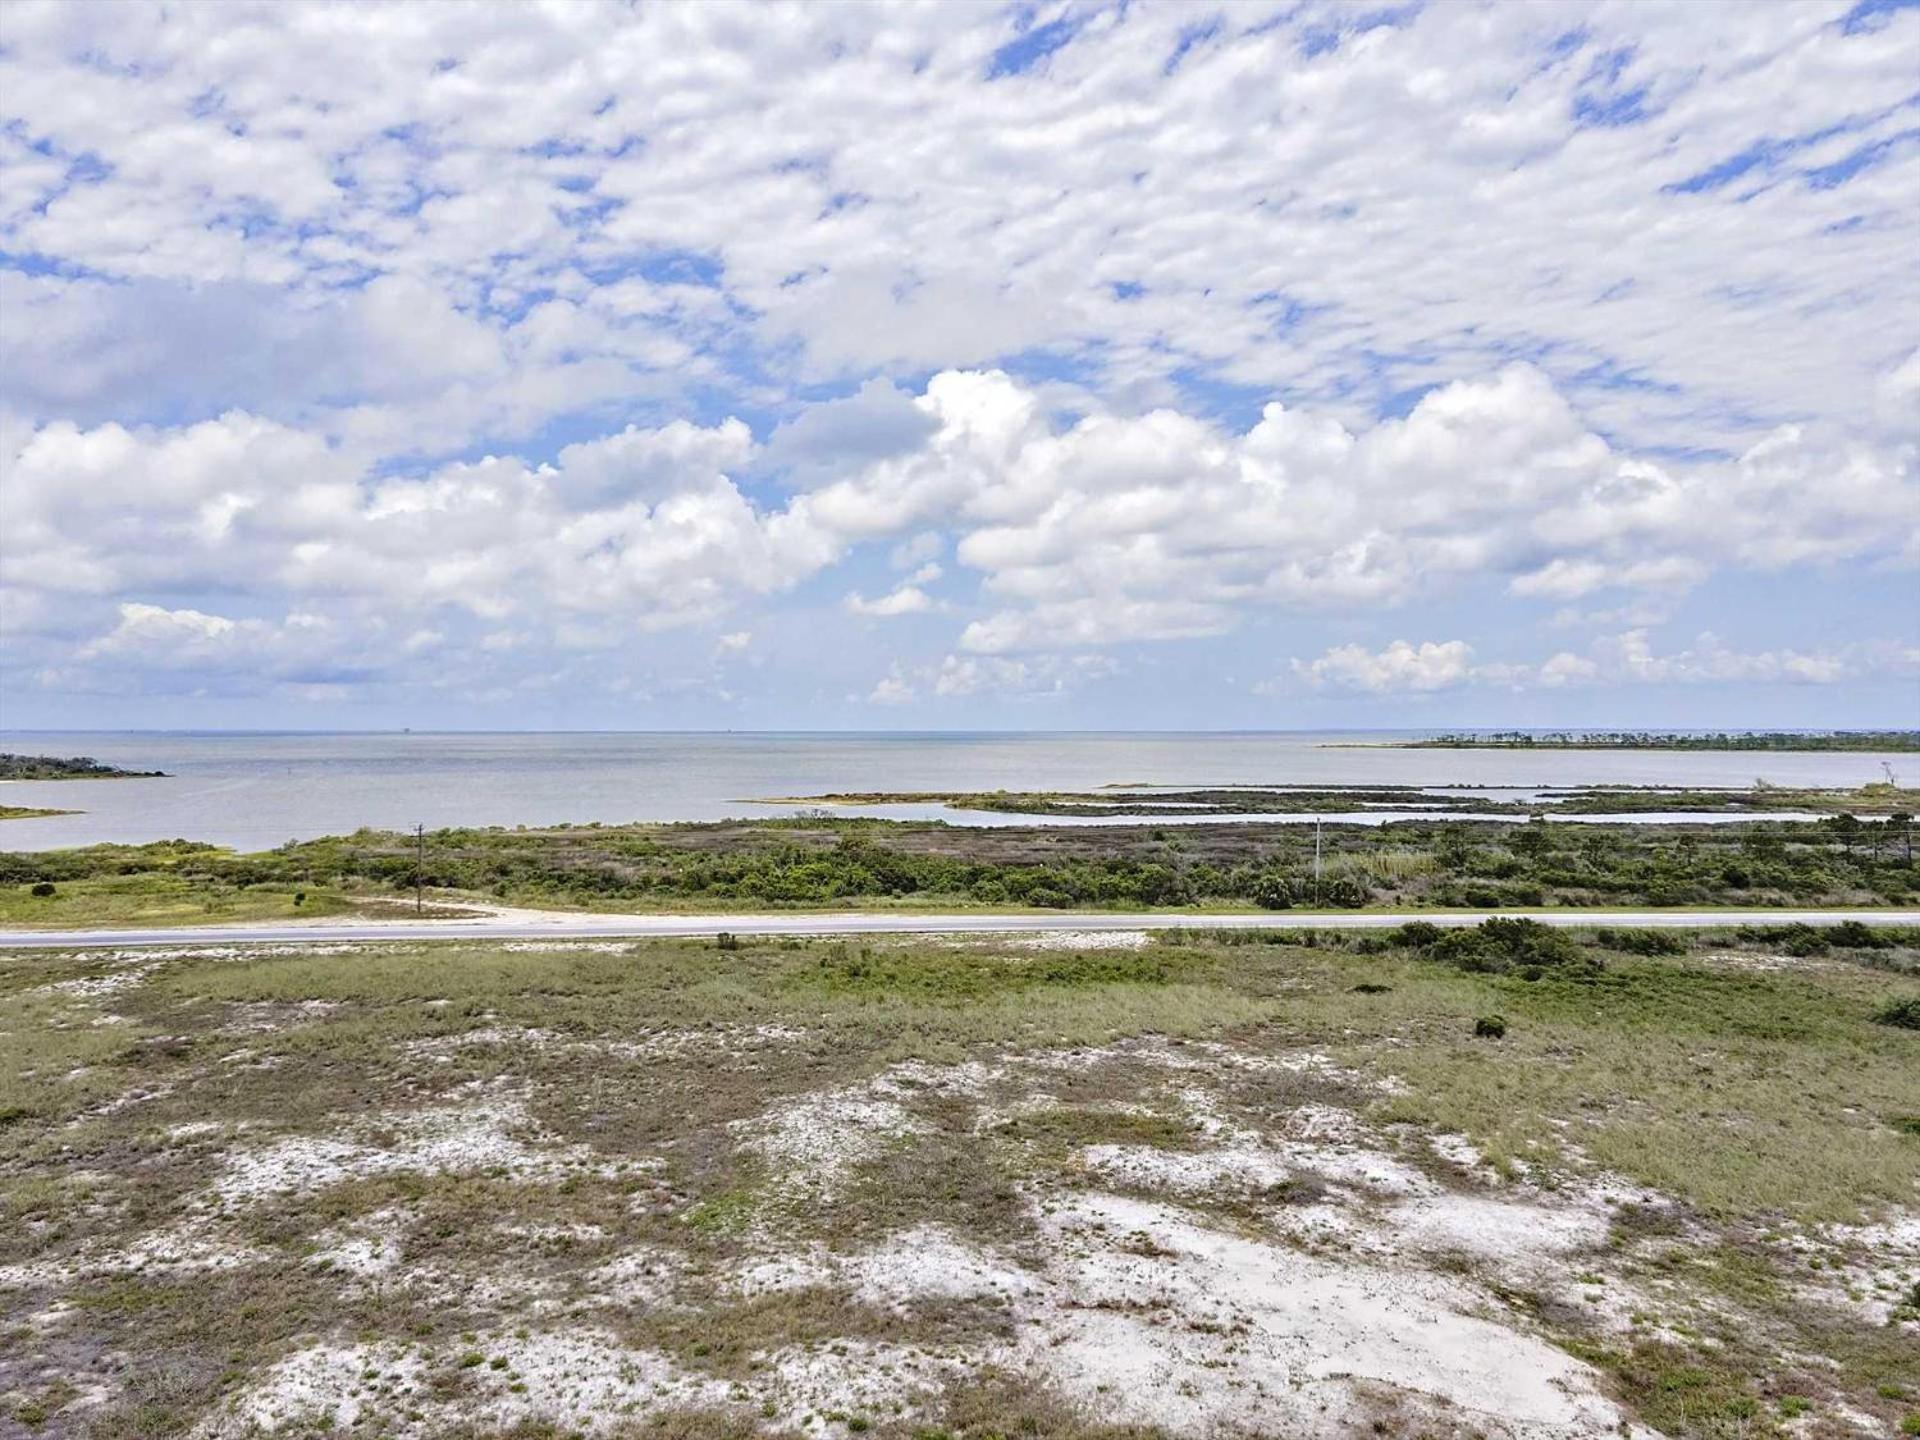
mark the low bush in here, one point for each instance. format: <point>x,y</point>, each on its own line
<point>1490,1027</point>
<point>1500,945</point>
<point>1642,942</point>
<point>1905,1014</point>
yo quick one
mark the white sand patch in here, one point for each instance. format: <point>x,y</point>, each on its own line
<point>1213,1058</point>
<point>1872,1271</point>
<point>366,1246</point>
<point>581,1233</point>
<point>1505,1233</point>
<point>1143,1167</point>
<point>138,1095</point>
<point>799,1268</point>
<point>583,1380</point>
<point>95,987</point>
<point>1158,1319</point>
<point>1080,940</point>
<point>968,1080</point>
<point>857,1379</point>
<point>1149,1315</point>
<point>486,1036</point>
<point>587,1380</point>
<point>925,1263</point>
<point>186,1248</point>
<point>1457,1150</point>
<point>328,1386</point>
<point>492,1133</point>
<point>669,1044</point>
<point>636,1277</point>
<point>662,1045</point>
<point>928,1262</point>
<point>817,1140</point>
<point>563,947</point>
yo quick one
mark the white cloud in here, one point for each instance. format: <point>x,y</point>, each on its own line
<point>904,600</point>
<point>1399,667</point>
<point>1590,306</point>
<point>1164,526</point>
<point>1625,659</point>
<point>1100,532</point>
<point>917,550</point>
<point>893,688</point>
<point>860,195</point>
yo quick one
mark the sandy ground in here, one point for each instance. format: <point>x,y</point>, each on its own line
<point>1314,1274</point>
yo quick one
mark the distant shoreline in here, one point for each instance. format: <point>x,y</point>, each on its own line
<point>1873,742</point>
<point>72,767</point>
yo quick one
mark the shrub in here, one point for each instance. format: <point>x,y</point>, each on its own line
<point>1490,1027</point>
<point>44,889</point>
<point>1498,945</point>
<point>1797,940</point>
<point>1272,892</point>
<point>1642,942</point>
<point>1345,893</point>
<point>1853,935</point>
<point>1903,1013</point>
<point>727,940</point>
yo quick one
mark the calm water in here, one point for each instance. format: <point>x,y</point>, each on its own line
<point>256,791</point>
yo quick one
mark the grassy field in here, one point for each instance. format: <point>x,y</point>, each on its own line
<point>1065,1186</point>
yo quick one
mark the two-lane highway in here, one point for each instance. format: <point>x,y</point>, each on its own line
<point>556,925</point>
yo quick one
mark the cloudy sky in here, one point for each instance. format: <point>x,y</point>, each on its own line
<point>937,365</point>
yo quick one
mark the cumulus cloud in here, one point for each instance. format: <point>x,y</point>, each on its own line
<point>903,600</point>
<point>412,323</point>
<point>1166,526</point>
<point>1400,666</point>
<point>1083,535</point>
<point>1629,658</point>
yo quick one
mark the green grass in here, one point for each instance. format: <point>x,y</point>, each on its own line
<point>159,898</point>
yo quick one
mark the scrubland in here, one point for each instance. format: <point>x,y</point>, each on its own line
<point>824,863</point>
<point>1505,1183</point>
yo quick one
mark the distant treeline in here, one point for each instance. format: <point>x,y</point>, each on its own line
<point>72,767</point>
<point>1868,740</point>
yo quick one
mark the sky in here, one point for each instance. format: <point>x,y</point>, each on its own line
<point>937,366</point>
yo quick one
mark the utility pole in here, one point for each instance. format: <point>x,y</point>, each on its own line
<point>419,866</point>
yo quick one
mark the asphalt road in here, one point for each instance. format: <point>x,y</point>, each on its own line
<point>574,925</point>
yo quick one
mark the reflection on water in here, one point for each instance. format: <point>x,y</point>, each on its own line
<point>256,791</point>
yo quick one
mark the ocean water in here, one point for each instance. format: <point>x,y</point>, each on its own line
<point>253,791</point>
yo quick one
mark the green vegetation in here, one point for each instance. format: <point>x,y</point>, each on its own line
<point>828,863</point>
<point>74,767</point>
<point>29,812</point>
<point>1874,741</point>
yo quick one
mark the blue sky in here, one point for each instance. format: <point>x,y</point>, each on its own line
<point>1071,365</point>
